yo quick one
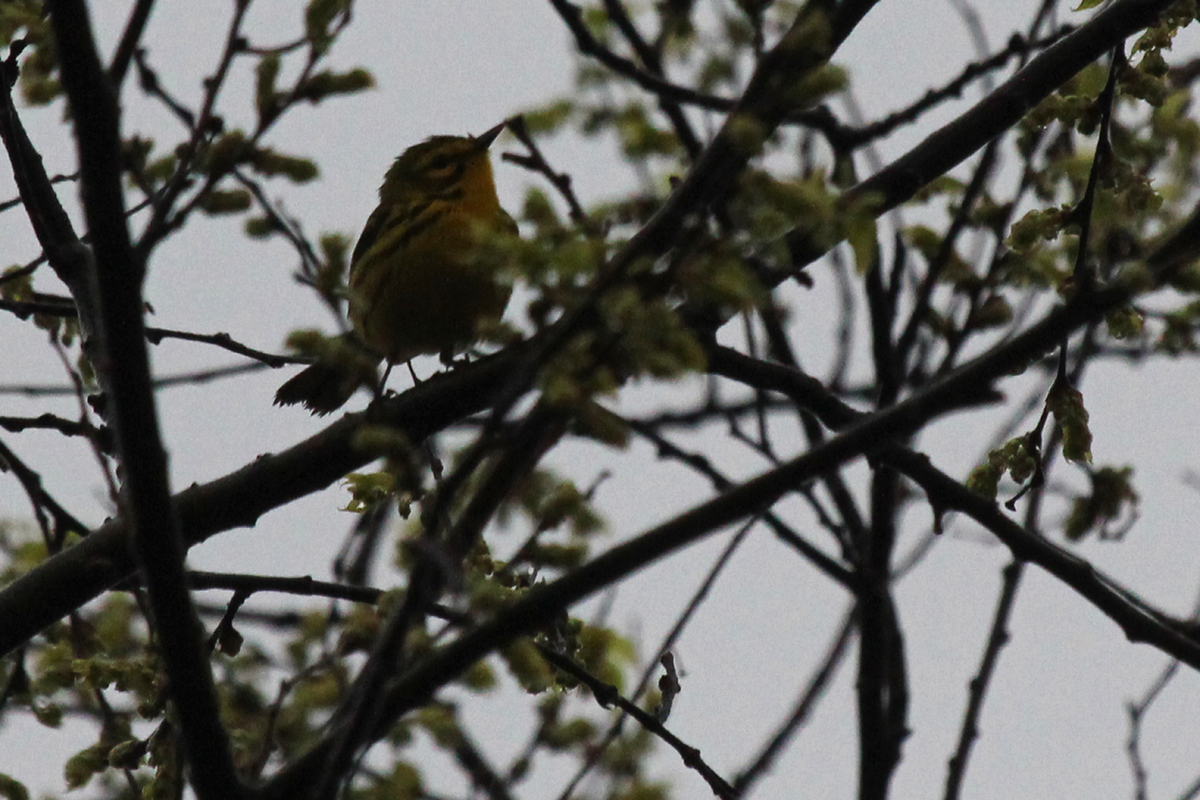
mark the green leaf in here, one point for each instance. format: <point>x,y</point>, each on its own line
<point>1035,226</point>
<point>985,479</point>
<point>80,767</point>
<point>479,677</point>
<point>862,235</point>
<point>318,16</point>
<point>1111,499</point>
<point>557,556</point>
<point>325,84</point>
<point>1066,404</point>
<point>602,652</point>
<point>368,489</point>
<point>598,423</point>
<point>440,722</point>
<point>993,312</point>
<point>160,169</point>
<point>1125,322</point>
<point>747,134</point>
<point>1015,457</point>
<point>539,210</point>
<point>39,84</point>
<point>266,98</point>
<point>227,152</point>
<point>816,85</point>
<point>48,714</point>
<point>548,118</point>
<point>225,201</point>
<point>404,783</point>
<point>528,666</point>
<point>12,789</point>
<point>271,163</point>
<point>127,754</point>
<point>260,227</point>
<point>564,735</point>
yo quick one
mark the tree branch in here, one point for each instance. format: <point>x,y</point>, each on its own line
<point>608,695</point>
<point>70,579</point>
<point>125,369</point>
<point>950,145</point>
<point>996,640</point>
<point>813,691</point>
<point>128,45</point>
<point>66,254</point>
<point>1140,621</point>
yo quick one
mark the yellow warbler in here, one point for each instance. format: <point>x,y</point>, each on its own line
<point>417,285</point>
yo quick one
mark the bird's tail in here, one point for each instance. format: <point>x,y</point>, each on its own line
<point>344,364</point>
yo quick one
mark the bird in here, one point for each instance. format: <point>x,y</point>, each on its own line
<point>417,284</point>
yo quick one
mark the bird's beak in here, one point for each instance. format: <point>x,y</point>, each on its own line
<point>484,140</point>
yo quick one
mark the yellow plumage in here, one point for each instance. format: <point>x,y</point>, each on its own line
<point>417,285</point>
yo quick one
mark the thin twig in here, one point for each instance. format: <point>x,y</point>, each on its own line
<point>997,638</point>
<point>183,379</point>
<point>608,695</point>
<point>48,421</point>
<point>13,203</point>
<point>596,753</point>
<point>814,690</point>
<point>225,342</point>
<point>822,561</point>
<point>305,586</point>
<point>537,162</point>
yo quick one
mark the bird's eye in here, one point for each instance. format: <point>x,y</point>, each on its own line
<point>439,162</point>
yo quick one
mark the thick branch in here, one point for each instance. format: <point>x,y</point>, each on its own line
<point>125,368</point>
<point>950,145</point>
<point>79,574</point>
<point>1140,621</point>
